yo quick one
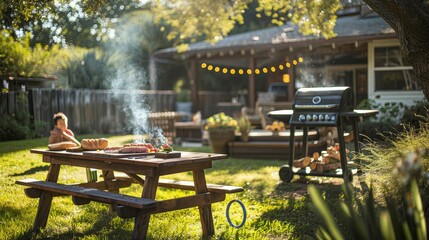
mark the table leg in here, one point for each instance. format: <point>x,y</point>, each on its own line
<point>206,216</point>
<point>141,221</point>
<point>108,176</point>
<point>45,200</point>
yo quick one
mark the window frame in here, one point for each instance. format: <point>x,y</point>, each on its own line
<point>387,95</point>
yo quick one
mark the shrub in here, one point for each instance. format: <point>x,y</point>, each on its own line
<point>369,220</point>
<point>18,125</point>
<point>416,114</point>
<point>12,129</point>
<point>17,58</point>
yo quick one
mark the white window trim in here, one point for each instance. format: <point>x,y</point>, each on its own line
<point>386,96</point>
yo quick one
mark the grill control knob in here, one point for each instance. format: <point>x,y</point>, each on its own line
<point>333,118</point>
<point>315,117</point>
<point>309,118</point>
<point>327,117</point>
<point>301,118</point>
<point>321,117</point>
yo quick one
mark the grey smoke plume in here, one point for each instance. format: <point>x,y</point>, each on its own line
<point>128,76</point>
<point>125,84</point>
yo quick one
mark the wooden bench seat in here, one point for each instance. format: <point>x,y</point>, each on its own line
<point>82,195</point>
<point>184,185</point>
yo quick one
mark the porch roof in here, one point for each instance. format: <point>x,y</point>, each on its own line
<point>348,29</point>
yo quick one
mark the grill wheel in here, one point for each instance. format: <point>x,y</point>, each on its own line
<point>285,173</point>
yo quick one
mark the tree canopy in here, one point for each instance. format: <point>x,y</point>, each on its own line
<point>67,22</point>
<point>213,20</point>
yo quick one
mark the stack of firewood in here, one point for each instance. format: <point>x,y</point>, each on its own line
<point>325,161</point>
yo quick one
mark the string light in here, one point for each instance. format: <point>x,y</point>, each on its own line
<point>265,70</point>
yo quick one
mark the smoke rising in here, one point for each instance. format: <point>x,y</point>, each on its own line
<point>129,77</point>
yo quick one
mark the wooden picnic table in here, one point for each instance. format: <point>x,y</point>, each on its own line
<point>133,166</point>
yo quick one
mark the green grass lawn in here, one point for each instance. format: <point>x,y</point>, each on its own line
<point>275,210</point>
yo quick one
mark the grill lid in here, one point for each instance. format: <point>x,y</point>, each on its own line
<point>324,98</point>
<point>321,105</point>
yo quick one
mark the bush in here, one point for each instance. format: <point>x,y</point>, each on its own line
<point>18,125</point>
<point>19,59</point>
<point>12,129</point>
<point>417,114</point>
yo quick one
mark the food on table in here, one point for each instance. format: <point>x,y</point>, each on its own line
<point>133,149</point>
<point>94,143</point>
<point>61,145</point>
<point>166,148</point>
<point>112,149</point>
<point>149,146</point>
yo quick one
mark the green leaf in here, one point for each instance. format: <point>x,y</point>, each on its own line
<point>323,210</point>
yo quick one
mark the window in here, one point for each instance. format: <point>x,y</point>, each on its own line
<point>392,70</point>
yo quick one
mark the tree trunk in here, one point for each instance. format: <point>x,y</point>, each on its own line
<point>410,20</point>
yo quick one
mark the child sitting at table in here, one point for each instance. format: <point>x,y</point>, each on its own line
<point>61,137</point>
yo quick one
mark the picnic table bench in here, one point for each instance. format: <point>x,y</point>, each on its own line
<point>131,169</point>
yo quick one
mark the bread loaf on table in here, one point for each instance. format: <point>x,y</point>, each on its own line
<point>61,145</point>
<point>94,143</point>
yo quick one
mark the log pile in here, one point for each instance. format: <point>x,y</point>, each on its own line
<point>324,162</point>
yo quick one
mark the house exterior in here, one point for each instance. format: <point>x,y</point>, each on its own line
<point>364,55</point>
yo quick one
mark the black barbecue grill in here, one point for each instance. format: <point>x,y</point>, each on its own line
<point>318,107</point>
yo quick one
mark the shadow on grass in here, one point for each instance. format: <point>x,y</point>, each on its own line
<point>31,171</point>
<point>104,222</point>
<point>295,209</point>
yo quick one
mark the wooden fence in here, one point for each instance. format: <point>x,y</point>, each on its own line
<point>96,111</point>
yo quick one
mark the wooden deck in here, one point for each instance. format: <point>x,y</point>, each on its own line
<point>270,149</point>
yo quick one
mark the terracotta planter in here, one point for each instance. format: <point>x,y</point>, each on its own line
<point>219,139</point>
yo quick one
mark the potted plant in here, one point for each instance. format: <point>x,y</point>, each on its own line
<point>221,129</point>
<point>244,126</point>
<point>183,103</point>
